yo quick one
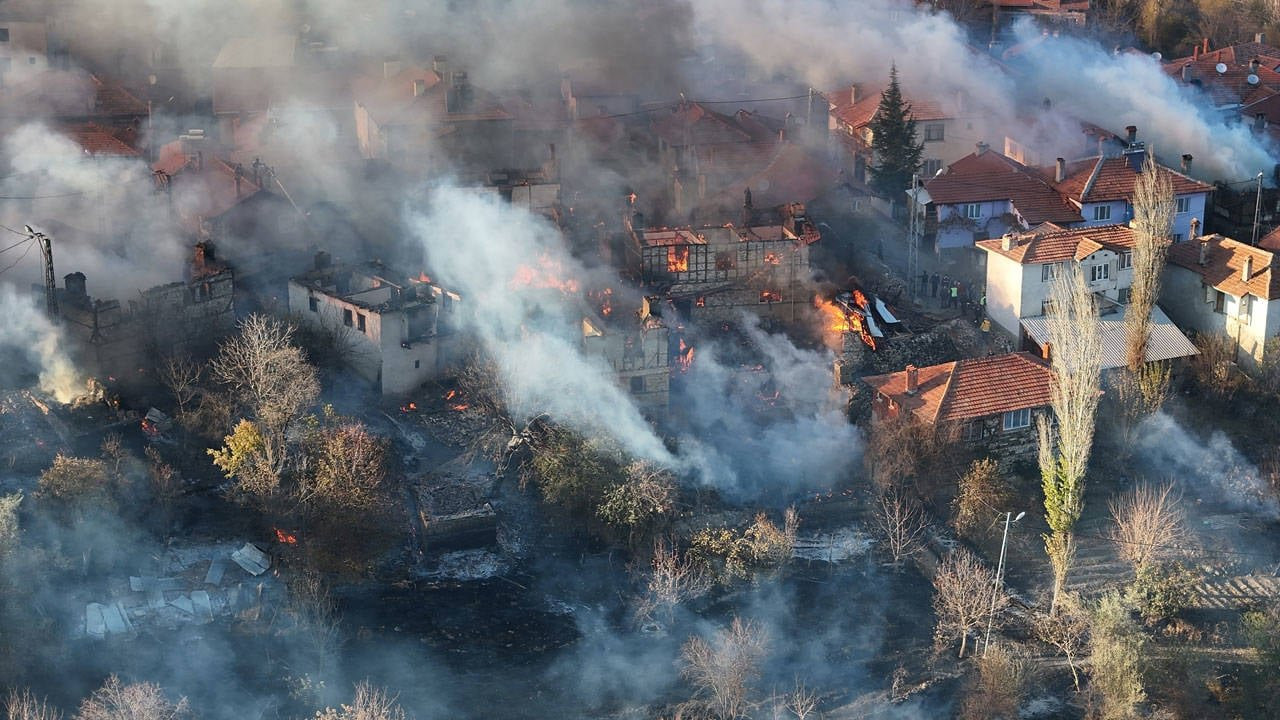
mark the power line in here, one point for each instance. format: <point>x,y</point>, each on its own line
<point>15,232</point>
<point>13,245</point>
<point>1180,548</point>
<point>10,266</point>
<point>41,197</point>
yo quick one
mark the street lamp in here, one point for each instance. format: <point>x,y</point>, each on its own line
<point>995,591</point>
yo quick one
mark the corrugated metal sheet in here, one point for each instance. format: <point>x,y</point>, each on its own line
<point>1166,341</point>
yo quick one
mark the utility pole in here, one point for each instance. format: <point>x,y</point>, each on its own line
<point>995,591</point>
<point>915,232</point>
<point>50,284</point>
<point>1257,211</point>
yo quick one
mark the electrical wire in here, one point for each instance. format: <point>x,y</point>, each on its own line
<point>15,232</point>
<point>11,265</point>
<point>13,246</point>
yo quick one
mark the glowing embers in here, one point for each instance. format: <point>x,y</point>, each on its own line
<point>684,356</point>
<point>454,401</point>
<point>286,538</point>
<point>846,314</point>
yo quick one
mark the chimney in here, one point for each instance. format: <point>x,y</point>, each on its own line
<point>1186,163</point>
<point>853,94</point>
<point>1253,65</point>
<point>440,64</point>
<point>390,67</point>
<point>75,283</point>
<point>1132,131</point>
<point>419,87</point>
<point>322,260</point>
<point>1206,46</point>
<point>1007,241</point>
<point>1186,73</point>
<point>1195,52</point>
<point>1260,122</point>
<point>982,147</point>
<point>1246,270</point>
<point>1260,38</point>
<point>1060,170</point>
<point>913,380</point>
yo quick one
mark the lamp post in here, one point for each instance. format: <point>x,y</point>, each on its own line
<point>995,591</point>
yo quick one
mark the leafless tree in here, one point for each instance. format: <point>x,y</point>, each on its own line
<point>369,703</point>
<point>315,615</point>
<point>138,701</point>
<point>964,589</point>
<point>23,705</point>
<point>1215,366</point>
<point>1136,395</point>
<point>507,437</point>
<point>802,702</point>
<point>181,376</point>
<point>1064,454</point>
<point>981,494</point>
<point>1150,525</point>
<point>1066,631</point>
<point>347,469</point>
<point>931,448</point>
<point>724,668</point>
<point>902,524</point>
<point>999,687</point>
<point>270,377</point>
<point>76,483</point>
<point>9,524</point>
<point>674,578</point>
<point>166,485</point>
<point>1154,206</point>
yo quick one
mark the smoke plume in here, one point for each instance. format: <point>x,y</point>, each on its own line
<point>28,334</point>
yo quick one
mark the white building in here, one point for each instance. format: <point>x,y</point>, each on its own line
<point>1220,286</point>
<point>396,332</point>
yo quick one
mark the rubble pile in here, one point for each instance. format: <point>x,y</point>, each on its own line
<point>30,442</point>
<point>458,428</point>
<point>455,510</point>
<point>187,586</point>
<point>920,349</point>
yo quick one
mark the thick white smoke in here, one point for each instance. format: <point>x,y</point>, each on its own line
<point>28,333</point>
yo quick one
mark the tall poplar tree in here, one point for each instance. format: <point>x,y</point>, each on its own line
<point>893,139</point>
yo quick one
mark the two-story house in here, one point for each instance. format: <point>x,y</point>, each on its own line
<point>990,402</point>
<point>1101,188</point>
<point>1021,271</point>
<point>986,194</point>
<point>1219,286</point>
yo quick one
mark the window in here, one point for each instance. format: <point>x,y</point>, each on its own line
<point>931,167</point>
<point>417,364</point>
<point>4,34</point>
<point>1126,260</point>
<point>726,260</point>
<point>346,317</point>
<point>312,304</point>
<point>360,322</point>
<point>637,385</point>
<point>1219,301</point>
<point>1177,237</point>
<point>1099,272</point>
<point>934,132</point>
<point>1102,212</point>
<point>1124,296</point>
<point>1244,311</point>
<point>971,431</point>
<point>1017,419</point>
<point>770,296</point>
<point>1050,271</point>
<point>973,211</point>
<point>1183,205</point>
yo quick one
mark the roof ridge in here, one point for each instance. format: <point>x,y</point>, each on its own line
<point>946,389</point>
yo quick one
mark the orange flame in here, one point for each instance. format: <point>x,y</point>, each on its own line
<point>422,278</point>
<point>677,259</point>
<point>684,356</point>
<point>286,538</point>
<point>458,406</point>
<point>772,259</point>
<point>770,296</point>
<point>839,320</point>
<point>409,407</point>
<point>547,274</point>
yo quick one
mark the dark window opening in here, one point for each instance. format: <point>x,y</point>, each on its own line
<point>346,317</point>
<point>417,364</point>
<point>360,322</point>
<point>313,304</point>
<point>637,385</point>
<point>4,34</point>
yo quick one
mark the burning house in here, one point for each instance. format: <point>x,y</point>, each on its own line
<point>397,333</point>
<point>638,348</point>
<point>115,338</point>
<point>712,273</point>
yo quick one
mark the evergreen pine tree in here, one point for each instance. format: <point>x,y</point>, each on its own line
<point>893,140</point>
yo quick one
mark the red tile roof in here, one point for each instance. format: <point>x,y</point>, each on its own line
<point>1224,266</point>
<point>859,114</point>
<point>792,174</point>
<point>1116,179</point>
<point>988,176</point>
<point>694,124</point>
<point>202,193</point>
<point>390,101</point>
<point>970,389</point>
<point>1232,86</point>
<point>67,94</point>
<point>1050,243</point>
<point>97,140</point>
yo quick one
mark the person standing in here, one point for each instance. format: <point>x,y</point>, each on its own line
<point>955,294</point>
<point>934,282</point>
<point>924,283</point>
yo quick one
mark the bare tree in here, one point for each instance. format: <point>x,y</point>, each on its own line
<point>964,590</point>
<point>1150,525</point>
<point>1066,631</point>
<point>23,705</point>
<point>802,702</point>
<point>138,701</point>
<point>902,524</point>
<point>999,688</point>
<point>725,667</point>
<point>1215,366</point>
<point>270,378</point>
<point>315,615</point>
<point>1064,454</point>
<point>1137,395</point>
<point>166,485</point>
<point>1154,206</point>
<point>348,469</point>
<point>981,494</point>
<point>674,578</point>
<point>181,376</point>
<point>369,703</point>
<point>9,525</point>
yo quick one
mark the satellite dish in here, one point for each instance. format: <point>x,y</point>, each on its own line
<point>1253,79</point>
<point>1221,68</point>
<point>1157,56</point>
